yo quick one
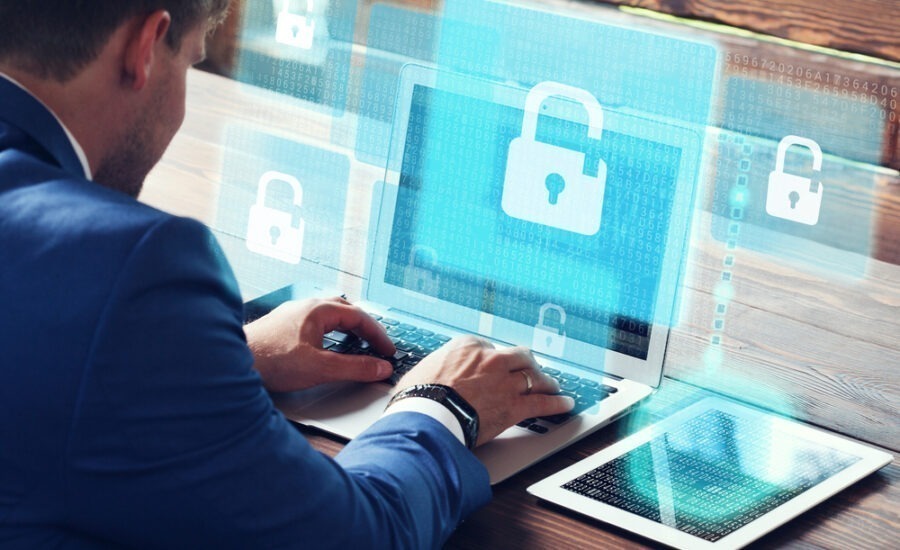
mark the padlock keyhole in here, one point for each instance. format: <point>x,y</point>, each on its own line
<point>555,185</point>
<point>274,233</point>
<point>794,197</point>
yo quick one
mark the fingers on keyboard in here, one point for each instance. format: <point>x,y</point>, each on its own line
<point>412,343</point>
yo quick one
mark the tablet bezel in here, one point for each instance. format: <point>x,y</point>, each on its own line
<point>550,488</point>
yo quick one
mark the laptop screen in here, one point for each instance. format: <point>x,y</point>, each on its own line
<point>453,239</point>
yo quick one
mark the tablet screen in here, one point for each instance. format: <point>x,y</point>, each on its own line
<point>712,474</point>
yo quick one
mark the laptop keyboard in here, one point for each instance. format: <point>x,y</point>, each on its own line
<point>414,344</point>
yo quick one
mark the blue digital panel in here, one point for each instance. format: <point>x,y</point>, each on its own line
<point>667,76</point>
<point>452,238</point>
<point>396,37</point>
<point>841,125</point>
<point>815,211</point>
<point>272,235</point>
<point>300,48</point>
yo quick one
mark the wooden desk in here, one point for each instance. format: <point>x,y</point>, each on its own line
<point>826,350</point>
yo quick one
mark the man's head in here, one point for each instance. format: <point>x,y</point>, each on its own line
<point>113,70</point>
<point>57,38</point>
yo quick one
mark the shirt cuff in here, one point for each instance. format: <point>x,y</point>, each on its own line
<point>430,408</point>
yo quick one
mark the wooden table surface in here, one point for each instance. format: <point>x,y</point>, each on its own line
<point>822,350</point>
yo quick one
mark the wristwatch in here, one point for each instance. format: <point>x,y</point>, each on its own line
<point>446,396</point>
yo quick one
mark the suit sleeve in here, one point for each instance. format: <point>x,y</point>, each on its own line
<point>175,443</point>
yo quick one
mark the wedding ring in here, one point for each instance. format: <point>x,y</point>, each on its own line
<point>529,383</point>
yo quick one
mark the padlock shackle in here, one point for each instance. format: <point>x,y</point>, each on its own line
<point>286,6</point>
<point>789,141</point>
<point>547,307</point>
<point>543,91</point>
<point>262,190</point>
<point>416,248</point>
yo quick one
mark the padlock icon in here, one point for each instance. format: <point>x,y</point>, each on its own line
<point>293,29</point>
<point>421,274</point>
<point>795,198</point>
<point>269,230</point>
<point>545,183</point>
<point>548,340</point>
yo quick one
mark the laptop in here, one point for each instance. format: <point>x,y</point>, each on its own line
<point>455,249</point>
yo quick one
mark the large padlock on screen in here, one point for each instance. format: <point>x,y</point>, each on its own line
<point>791,197</point>
<point>545,183</point>
<point>269,230</point>
<point>421,272</point>
<point>293,29</point>
<point>549,340</point>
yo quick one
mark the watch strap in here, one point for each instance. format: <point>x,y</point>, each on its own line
<point>464,412</point>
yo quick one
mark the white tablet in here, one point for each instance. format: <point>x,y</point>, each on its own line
<point>714,475</point>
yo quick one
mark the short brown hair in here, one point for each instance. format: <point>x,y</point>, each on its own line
<point>58,38</point>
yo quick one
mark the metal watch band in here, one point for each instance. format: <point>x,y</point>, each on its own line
<point>447,396</point>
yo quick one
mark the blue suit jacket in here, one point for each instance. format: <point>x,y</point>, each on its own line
<point>129,409</point>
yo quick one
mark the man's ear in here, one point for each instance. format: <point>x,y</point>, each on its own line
<point>147,33</point>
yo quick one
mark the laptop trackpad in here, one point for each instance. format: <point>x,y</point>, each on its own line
<point>347,411</point>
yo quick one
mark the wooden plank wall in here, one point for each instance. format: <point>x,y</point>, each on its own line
<point>869,27</point>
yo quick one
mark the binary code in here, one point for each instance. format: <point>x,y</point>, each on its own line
<point>317,71</point>
<point>449,227</point>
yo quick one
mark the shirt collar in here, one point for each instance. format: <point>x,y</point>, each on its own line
<point>79,152</point>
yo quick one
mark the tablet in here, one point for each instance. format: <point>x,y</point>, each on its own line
<point>714,475</point>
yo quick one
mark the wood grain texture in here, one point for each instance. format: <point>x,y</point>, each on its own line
<point>862,26</point>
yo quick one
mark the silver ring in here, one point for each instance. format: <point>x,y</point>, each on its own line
<point>529,383</point>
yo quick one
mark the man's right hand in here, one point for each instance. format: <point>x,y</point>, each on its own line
<point>494,382</point>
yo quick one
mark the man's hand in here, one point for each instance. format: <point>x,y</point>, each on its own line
<point>493,381</point>
<point>287,345</point>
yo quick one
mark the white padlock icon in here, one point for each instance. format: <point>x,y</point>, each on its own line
<point>293,29</point>
<point>795,198</point>
<point>269,230</point>
<point>545,183</point>
<point>420,274</point>
<point>548,340</point>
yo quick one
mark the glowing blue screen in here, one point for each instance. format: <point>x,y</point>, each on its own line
<point>449,222</point>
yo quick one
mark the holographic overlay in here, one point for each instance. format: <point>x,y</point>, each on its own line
<point>668,77</point>
<point>258,199</point>
<point>819,220</point>
<point>452,239</point>
<point>301,48</point>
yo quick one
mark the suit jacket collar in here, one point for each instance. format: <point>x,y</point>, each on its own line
<point>22,110</point>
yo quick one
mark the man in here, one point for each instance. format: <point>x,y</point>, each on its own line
<point>132,401</point>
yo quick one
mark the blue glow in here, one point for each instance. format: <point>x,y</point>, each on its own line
<point>712,358</point>
<point>457,150</point>
<point>665,76</point>
<point>766,113</point>
<point>323,176</point>
<point>724,292</point>
<point>319,72</point>
<point>739,197</point>
<point>396,37</point>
